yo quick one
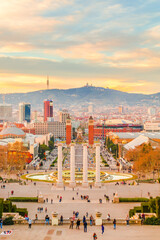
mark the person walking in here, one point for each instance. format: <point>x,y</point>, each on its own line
<point>94,236</point>
<point>102,228</point>
<point>30,223</point>
<point>114,223</point>
<point>71,223</point>
<point>91,220</point>
<point>78,224</point>
<point>85,226</point>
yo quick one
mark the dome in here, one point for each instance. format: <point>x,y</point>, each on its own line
<point>12,132</point>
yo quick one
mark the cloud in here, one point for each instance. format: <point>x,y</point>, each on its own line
<point>79,40</point>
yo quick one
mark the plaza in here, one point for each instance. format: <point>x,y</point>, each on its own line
<point>67,206</point>
<point>64,233</point>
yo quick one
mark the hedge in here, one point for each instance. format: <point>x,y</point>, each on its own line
<point>131,213</point>
<point>23,199</point>
<point>158,207</point>
<point>14,208</point>
<point>8,221</point>
<point>145,208</point>
<point>22,211</point>
<point>152,221</point>
<point>152,205</point>
<point>133,200</point>
<point>7,206</point>
<point>137,210</point>
<point>1,207</point>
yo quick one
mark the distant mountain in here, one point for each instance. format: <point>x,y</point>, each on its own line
<point>81,96</point>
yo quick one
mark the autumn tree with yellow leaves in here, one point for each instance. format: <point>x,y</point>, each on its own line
<point>145,158</point>
<point>13,157</point>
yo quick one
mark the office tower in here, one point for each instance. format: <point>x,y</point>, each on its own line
<point>91,131</point>
<point>24,112</point>
<point>121,109</point>
<point>63,116</point>
<point>48,109</point>
<point>5,112</point>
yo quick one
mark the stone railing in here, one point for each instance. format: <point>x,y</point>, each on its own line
<point>67,221</point>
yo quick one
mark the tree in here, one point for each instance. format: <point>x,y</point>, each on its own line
<point>41,151</point>
<point>145,158</point>
<point>51,145</point>
<point>13,157</point>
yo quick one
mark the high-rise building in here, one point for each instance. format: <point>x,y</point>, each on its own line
<point>68,131</point>
<point>121,109</point>
<point>63,116</point>
<point>5,112</point>
<point>48,109</point>
<point>91,131</point>
<point>24,112</point>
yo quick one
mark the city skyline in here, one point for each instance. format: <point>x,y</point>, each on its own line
<point>105,43</point>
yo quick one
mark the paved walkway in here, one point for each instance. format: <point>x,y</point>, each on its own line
<point>67,206</point>
<point>64,233</point>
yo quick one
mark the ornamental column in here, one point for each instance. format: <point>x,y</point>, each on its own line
<point>85,166</point>
<point>72,166</point>
<point>98,182</point>
<point>60,181</point>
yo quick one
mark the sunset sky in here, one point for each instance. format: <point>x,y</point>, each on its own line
<point>107,43</point>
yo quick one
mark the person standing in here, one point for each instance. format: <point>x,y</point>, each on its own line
<point>91,220</point>
<point>94,236</point>
<point>1,222</point>
<point>127,220</point>
<point>84,219</point>
<point>30,223</point>
<point>114,223</point>
<point>47,219</point>
<point>102,228</point>
<point>85,226</point>
<point>71,223</point>
<point>78,224</point>
<point>61,220</point>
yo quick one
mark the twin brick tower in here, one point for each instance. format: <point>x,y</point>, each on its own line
<point>90,131</point>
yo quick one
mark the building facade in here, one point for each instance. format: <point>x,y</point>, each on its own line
<point>58,129</point>
<point>48,109</point>
<point>63,116</point>
<point>5,112</point>
<point>25,112</point>
<point>152,126</point>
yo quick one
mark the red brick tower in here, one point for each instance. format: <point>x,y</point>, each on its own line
<point>68,130</point>
<point>91,131</point>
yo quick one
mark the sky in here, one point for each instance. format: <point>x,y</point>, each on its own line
<point>107,43</point>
